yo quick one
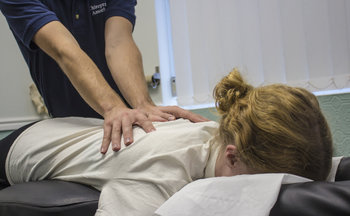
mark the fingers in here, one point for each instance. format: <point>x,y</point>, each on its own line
<point>147,126</point>
<point>122,122</point>
<point>196,118</point>
<point>107,129</point>
<point>168,116</point>
<point>127,132</point>
<point>116,135</point>
<point>154,114</point>
<point>111,134</point>
<point>174,110</point>
<point>181,113</point>
<point>161,117</point>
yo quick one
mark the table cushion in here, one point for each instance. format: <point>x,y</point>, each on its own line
<point>46,198</point>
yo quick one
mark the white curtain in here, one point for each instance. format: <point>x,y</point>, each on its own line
<point>299,42</point>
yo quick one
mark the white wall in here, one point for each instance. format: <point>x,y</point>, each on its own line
<point>145,36</point>
<point>15,104</point>
<point>16,107</point>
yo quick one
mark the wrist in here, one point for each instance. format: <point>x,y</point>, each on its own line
<point>143,104</point>
<point>112,104</point>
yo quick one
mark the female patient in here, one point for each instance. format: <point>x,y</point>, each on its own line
<point>275,129</point>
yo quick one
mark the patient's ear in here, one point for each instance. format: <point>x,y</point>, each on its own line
<point>229,163</point>
<point>234,162</point>
<point>231,155</point>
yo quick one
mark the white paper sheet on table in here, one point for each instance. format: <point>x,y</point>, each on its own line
<point>243,195</point>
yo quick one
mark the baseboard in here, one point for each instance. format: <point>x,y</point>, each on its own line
<point>7,124</point>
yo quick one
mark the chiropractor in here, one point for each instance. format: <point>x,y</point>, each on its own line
<point>84,61</point>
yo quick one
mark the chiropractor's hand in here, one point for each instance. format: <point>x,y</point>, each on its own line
<point>169,113</point>
<point>178,112</point>
<point>120,121</point>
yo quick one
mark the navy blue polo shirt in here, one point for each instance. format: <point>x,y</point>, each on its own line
<point>85,19</point>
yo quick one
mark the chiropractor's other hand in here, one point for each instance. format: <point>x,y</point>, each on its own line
<point>169,113</point>
<point>120,121</point>
<point>178,112</point>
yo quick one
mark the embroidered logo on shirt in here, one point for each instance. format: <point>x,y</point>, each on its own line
<point>98,8</point>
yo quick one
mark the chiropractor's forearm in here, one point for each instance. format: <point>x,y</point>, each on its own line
<point>56,41</point>
<point>125,62</point>
<point>89,82</point>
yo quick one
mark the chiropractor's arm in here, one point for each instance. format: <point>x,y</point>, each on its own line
<point>56,41</point>
<point>125,63</point>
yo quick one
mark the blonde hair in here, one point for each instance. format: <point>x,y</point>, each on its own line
<point>275,128</point>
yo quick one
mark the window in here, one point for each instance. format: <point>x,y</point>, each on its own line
<point>300,43</point>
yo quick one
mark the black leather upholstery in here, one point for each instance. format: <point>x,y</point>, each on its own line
<point>44,198</point>
<point>313,199</point>
<point>316,198</point>
<point>58,198</point>
<point>343,171</point>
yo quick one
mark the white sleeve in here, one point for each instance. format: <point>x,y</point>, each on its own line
<point>129,197</point>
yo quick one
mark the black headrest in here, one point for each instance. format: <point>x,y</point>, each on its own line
<point>343,171</point>
<point>316,198</point>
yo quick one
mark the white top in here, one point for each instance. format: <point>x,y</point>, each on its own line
<point>134,181</point>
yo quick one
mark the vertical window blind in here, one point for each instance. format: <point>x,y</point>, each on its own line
<point>298,42</point>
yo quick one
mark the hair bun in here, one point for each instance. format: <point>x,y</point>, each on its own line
<point>229,90</point>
